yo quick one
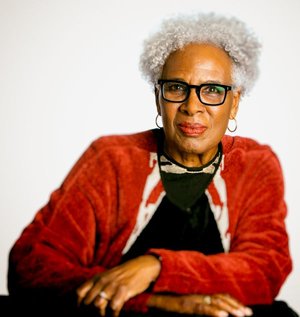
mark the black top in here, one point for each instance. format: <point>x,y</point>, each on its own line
<point>183,220</point>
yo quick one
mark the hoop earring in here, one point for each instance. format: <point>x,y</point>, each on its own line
<point>235,126</point>
<point>157,116</point>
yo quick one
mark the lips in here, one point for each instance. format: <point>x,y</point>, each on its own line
<point>192,129</point>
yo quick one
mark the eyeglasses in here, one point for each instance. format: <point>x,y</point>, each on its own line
<point>179,91</point>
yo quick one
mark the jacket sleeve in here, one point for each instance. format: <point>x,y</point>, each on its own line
<point>57,249</point>
<point>258,261</point>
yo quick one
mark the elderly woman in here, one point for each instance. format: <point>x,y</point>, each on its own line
<point>183,218</point>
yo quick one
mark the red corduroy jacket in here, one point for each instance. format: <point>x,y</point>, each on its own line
<point>110,195</point>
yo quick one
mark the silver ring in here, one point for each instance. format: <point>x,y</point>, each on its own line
<point>104,295</point>
<point>207,300</point>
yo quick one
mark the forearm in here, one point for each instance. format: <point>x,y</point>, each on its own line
<point>258,254</point>
<point>43,268</point>
<point>238,274</point>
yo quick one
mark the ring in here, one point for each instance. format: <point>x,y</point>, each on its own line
<point>207,299</point>
<point>104,295</point>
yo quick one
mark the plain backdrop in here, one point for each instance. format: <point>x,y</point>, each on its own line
<point>69,73</point>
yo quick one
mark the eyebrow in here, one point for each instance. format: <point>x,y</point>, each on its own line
<point>217,82</point>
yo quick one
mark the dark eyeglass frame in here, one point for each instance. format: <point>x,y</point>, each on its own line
<point>197,87</point>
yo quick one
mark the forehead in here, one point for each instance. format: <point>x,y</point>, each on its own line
<point>200,62</point>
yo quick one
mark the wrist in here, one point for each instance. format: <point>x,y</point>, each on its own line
<point>157,265</point>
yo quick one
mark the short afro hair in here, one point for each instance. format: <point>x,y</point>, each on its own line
<point>228,33</point>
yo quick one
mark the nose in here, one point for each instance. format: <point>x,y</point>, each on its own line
<point>192,105</point>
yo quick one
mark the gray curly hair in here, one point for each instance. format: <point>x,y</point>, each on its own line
<point>230,34</point>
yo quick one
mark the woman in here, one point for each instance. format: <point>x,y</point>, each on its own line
<point>181,219</point>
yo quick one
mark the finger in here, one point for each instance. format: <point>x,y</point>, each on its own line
<point>210,310</point>
<point>101,303</point>
<point>119,298</point>
<point>224,306</point>
<point>237,304</point>
<point>95,291</point>
<point>231,305</point>
<point>229,299</point>
<point>82,290</point>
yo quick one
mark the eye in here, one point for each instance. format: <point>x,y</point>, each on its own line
<point>213,90</point>
<point>174,87</point>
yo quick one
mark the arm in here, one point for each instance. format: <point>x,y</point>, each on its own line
<point>258,262</point>
<point>117,285</point>
<point>56,251</point>
<point>78,237</point>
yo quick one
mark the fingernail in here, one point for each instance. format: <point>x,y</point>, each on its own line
<point>223,314</point>
<point>238,312</point>
<point>248,311</point>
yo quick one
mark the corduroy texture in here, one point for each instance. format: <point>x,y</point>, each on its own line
<point>88,220</point>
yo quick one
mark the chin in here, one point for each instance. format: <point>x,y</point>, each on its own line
<point>192,147</point>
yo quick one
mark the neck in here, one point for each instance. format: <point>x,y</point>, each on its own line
<point>191,159</point>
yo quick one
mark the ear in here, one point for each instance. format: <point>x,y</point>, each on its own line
<point>235,103</point>
<point>156,91</point>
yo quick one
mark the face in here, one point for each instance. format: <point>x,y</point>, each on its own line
<point>193,130</point>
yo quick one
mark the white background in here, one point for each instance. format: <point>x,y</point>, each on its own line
<point>69,73</point>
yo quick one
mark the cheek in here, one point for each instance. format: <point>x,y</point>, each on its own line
<point>168,113</point>
<point>219,119</point>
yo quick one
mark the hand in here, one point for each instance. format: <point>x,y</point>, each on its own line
<point>217,305</point>
<point>119,284</point>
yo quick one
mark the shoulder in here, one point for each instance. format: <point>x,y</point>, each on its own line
<point>107,152</point>
<point>243,144</point>
<point>145,140</point>
<point>238,145</point>
<point>246,152</point>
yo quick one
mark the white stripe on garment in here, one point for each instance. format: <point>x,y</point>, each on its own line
<point>146,211</point>
<point>221,211</point>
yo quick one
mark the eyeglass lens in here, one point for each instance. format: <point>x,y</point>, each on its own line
<point>211,94</point>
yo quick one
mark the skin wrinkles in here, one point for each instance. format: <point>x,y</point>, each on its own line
<point>196,64</point>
